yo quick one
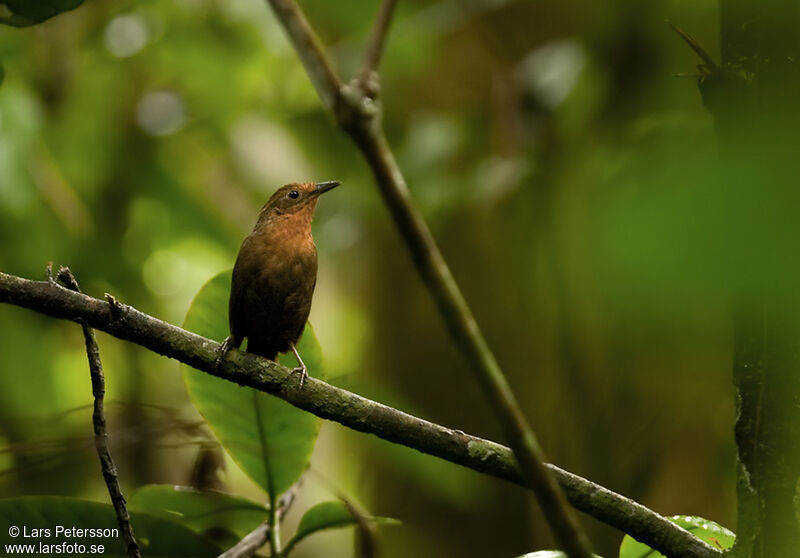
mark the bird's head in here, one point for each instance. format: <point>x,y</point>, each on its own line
<point>295,199</point>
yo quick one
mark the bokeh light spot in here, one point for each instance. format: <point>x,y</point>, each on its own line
<point>161,113</point>
<point>126,35</point>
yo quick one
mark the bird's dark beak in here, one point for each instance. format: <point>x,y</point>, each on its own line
<point>322,187</point>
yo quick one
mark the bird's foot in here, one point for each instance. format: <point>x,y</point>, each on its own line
<point>303,374</point>
<point>222,352</point>
<point>300,369</point>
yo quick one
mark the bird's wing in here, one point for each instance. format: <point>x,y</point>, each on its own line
<point>237,303</point>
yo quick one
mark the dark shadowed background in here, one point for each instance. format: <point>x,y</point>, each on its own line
<point>567,174</point>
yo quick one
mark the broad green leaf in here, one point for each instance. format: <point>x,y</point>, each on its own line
<point>157,536</point>
<point>201,511</point>
<point>713,533</point>
<point>21,13</point>
<point>328,515</point>
<point>268,438</point>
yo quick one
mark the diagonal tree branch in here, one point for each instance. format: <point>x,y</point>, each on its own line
<point>358,113</point>
<point>250,544</point>
<point>99,422</point>
<point>311,54</point>
<point>259,536</point>
<point>346,408</point>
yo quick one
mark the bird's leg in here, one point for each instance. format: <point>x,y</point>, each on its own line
<point>229,343</point>
<point>302,370</point>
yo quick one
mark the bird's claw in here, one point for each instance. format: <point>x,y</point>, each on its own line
<point>303,374</point>
<point>222,351</point>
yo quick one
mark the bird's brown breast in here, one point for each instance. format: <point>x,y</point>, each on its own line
<point>273,284</point>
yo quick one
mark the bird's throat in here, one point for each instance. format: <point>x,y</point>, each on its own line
<point>291,229</point>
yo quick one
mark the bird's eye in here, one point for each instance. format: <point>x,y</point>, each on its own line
<point>294,194</point>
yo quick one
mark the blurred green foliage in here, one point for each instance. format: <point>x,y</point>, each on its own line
<point>572,182</point>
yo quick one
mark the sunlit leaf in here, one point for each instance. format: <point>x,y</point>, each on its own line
<point>201,511</point>
<point>156,536</point>
<point>713,533</point>
<point>328,515</point>
<point>268,438</point>
<point>21,13</point>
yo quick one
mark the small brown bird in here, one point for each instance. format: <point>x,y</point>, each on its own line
<point>275,275</point>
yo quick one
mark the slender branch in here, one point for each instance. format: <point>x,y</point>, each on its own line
<point>377,41</point>
<point>248,546</point>
<point>359,115</point>
<point>259,536</point>
<point>99,424</point>
<point>310,51</point>
<point>346,408</point>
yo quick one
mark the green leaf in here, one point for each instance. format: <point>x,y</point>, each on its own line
<point>201,511</point>
<point>714,534</point>
<point>22,13</point>
<point>328,515</point>
<point>268,438</point>
<point>156,536</point>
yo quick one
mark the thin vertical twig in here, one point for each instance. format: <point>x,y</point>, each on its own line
<point>377,40</point>
<point>99,423</point>
<point>358,113</point>
<point>273,521</point>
